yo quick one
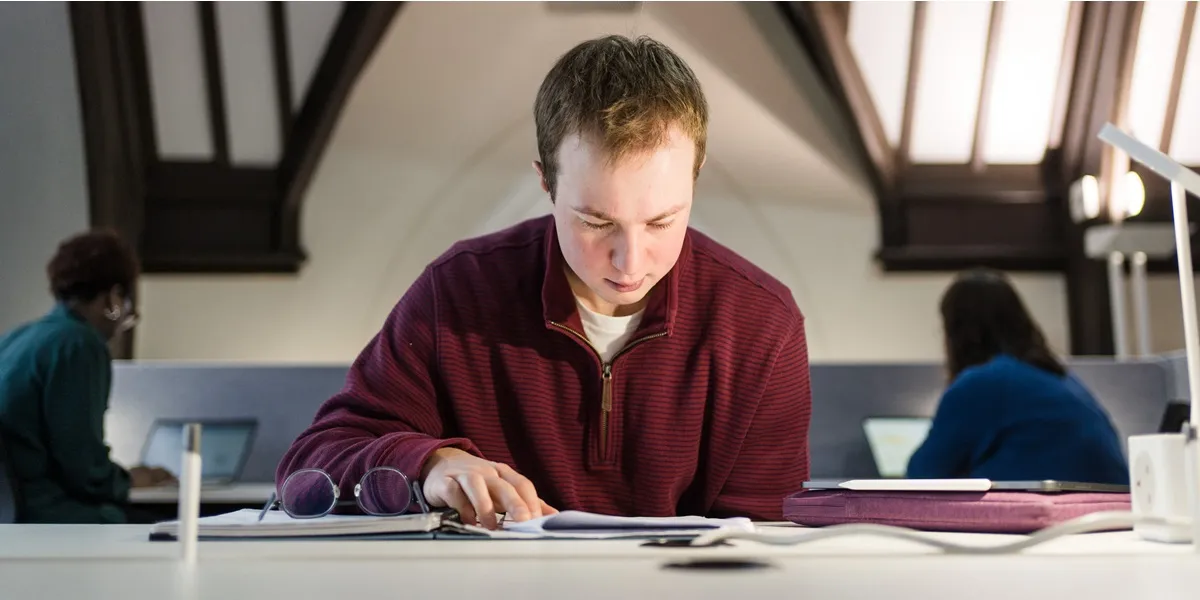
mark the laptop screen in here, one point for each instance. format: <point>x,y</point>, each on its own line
<point>223,448</point>
<point>893,441</point>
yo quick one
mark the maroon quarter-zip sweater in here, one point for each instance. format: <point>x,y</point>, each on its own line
<point>705,411</point>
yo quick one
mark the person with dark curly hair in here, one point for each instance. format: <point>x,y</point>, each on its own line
<point>1012,411</point>
<point>55,376</point>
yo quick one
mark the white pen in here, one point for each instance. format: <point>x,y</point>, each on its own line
<point>189,492</point>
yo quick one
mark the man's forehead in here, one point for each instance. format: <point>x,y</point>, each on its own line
<point>615,153</point>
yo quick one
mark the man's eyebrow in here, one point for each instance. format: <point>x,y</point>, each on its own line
<point>668,213</point>
<point>593,213</point>
<point>602,216</point>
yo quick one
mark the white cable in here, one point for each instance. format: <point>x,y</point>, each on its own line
<point>1098,521</point>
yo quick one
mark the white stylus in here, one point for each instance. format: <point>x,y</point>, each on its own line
<point>189,492</point>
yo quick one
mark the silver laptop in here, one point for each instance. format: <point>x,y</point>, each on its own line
<point>224,447</point>
<point>893,440</point>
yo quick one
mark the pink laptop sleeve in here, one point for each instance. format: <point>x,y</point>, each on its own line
<point>977,512</point>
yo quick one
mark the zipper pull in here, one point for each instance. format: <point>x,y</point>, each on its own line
<point>606,403</point>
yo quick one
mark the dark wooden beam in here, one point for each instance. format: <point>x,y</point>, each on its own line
<point>1066,69</point>
<point>358,32</point>
<point>1095,97</point>
<point>1086,82</point>
<point>941,258</point>
<point>819,29</point>
<point>283,68</point>
<point>118,134</point>
<point>982,111</point>
<point>216,83</point>
<point>1181,55</point>
<point>915,50</point>
<point>841,12</point>
<point>999,184</point>
<point>212,184</point>
<point>1113,164</point>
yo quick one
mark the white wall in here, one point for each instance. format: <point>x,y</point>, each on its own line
<point>42,174</point>
<point>436,143</point>
<point>1166,317</point>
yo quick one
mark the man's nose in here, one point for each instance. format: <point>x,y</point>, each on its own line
<point>627,252</point>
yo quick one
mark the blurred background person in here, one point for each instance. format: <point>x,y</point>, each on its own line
<point>1012,412</point>
<point>55,376</point>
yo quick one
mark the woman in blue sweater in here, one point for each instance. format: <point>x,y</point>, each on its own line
<point>1011,412</point>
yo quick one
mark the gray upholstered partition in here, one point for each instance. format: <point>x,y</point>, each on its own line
<point>284,399</point>
<point>1134,393</point>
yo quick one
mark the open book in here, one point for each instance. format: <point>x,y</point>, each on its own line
<point>566,525</point>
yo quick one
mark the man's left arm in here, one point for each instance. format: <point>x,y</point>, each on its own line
<point>773,461</point>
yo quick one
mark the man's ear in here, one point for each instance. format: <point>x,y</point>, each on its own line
<point>703,159</point>
<point>537,166</point>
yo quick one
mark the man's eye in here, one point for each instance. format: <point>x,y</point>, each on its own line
<point>662,224</point>
<point>591,225</point>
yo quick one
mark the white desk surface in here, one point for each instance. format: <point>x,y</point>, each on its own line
<point>66,561</point>
<point>237,493</point>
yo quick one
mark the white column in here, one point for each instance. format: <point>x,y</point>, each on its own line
<point>1141,303</point>
<point>1116,295</point>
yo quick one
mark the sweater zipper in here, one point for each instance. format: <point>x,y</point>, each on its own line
<point>606,394</point>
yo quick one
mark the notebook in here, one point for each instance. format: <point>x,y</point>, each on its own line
<point>244,524</point>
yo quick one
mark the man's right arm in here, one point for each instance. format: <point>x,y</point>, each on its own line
<point>387,413</point>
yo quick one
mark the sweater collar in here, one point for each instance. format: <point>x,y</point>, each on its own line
<point>558,301</point>
<point>62,312</point>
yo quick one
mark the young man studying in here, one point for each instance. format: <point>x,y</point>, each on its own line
<point>605,358</point>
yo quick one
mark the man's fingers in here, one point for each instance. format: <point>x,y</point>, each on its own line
<point>547,509</point>
<point>457,499</point>
<point>524,488</point>
<point>477,490</point>
<point>508,500</point>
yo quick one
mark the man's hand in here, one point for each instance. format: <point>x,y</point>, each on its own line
<point>478,488</point>
<point>140,477</point>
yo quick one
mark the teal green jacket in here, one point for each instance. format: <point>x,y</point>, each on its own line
<point>55,377</point>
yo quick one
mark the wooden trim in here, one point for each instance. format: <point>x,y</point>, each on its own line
<point>1087,88</point>
<point>1094,98</point>
<point>999,184</point>
<point>816,25</point>
<point>1066,67</point>
<point>236,263</point>
<point>837,68</point>
<point>987,78</point>
<point>216,83</point>
<point>142,101</point>
<point>1113,163</point>
<point>841,10</point>
<point>958,258</point>
<point>212,185</point>
<point>1181,55</point>
<point>117,133</point>
<point>915,50</point>
<point>353,42</point>
<point>283,69</point>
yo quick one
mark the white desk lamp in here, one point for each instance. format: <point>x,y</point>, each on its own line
<point>1165,468</point>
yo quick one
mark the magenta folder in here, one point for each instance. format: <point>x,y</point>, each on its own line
<point>977,512</point>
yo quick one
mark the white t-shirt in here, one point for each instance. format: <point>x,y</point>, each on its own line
<point>607,334</point>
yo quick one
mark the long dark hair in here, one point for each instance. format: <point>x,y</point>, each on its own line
<point>982,316</point>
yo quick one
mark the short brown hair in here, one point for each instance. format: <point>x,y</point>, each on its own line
<point>90,264</point>
<point>625,94</point>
